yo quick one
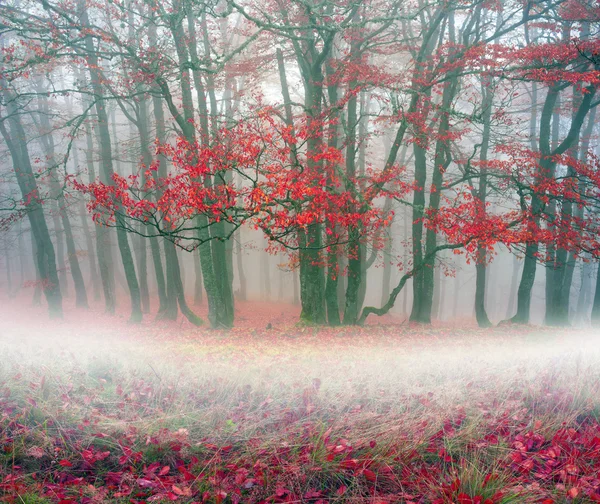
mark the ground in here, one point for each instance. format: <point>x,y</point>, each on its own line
<point>93,409</point>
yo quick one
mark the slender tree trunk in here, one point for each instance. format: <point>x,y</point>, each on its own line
<point>22,256</point>
<point>420,155</point>
<point>585,291</point>
<point>59,238</point>
<point>265,276</point>
<point>280,282</point>
<point>60,207</point>
<point>406,258</point>
<point>243,296</point>
<point>37,291</point>
<point>175,275</point>
<point>422,311</point>
<point>197,279</point>
<point>220,231</point>
<point>481,266</point>
<point>107,169</point>
<point>596,304</point>
<point>142,268</point>
<point>355,248</point>
<point>89,243</point>
<point>46,259</point>
<point>333,274</point>
<point>367,262</point>
<point>138,240</point>
<point>103,242</point>
<point>214,273</point>
<point>546,166</point>
<point>437,292</point>
<point>457,289</point>
<point>8,265</point>
<point>387,269</point>
<point>512,293</point>
<point>296,287</point>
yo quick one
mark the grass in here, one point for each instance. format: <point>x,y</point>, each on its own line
<point>95,410</point>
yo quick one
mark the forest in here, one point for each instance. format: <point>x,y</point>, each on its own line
<point>299,251</point>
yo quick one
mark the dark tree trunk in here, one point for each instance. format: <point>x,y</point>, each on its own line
<point>424,295</point>
<point>60,207</point>
<point>596,304</point>
<point>220,231</point>
<point>417,229</point>
<point>177,284</point>
<point>546,167</point>
<point>46,260</point>
<point>213,261</point>
<point>103,240</point>
<point>420,312</point>
<point>312,281</point>
<point>107,170</point>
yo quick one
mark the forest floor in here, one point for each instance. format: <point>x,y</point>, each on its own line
<point>93,410</point>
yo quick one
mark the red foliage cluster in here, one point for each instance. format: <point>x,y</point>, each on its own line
<point>252,173</point>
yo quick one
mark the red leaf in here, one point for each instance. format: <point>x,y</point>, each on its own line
<point>370,475</point>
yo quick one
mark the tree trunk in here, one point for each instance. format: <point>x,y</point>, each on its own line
<point>481,266</point>
<point>422,308</point>
<point>546,166</point>
<point>37,291</point>
<point>103,236</point>
<point>177,284</point>
<point>312,278</point>
<point>387,268</point>
<point>596,304</point>
<point>59,238</point>
<point>107,169</point>
<point>457,289</point>
<point>197,279</point>
<point>213,262</point>
<point>46,259</point>
<point>243,296</point>
<point>295,286</point>
<point>7,264</point>
<point>89,243</point>
<point>585,291</point>
<point>60,207</point>
<point>265,275</point>
<point>355,248</point>
<point>333,274</point>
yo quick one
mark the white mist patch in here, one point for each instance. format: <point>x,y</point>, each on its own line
<point>375,367</point>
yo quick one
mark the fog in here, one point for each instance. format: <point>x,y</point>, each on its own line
<point>299,251</point>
